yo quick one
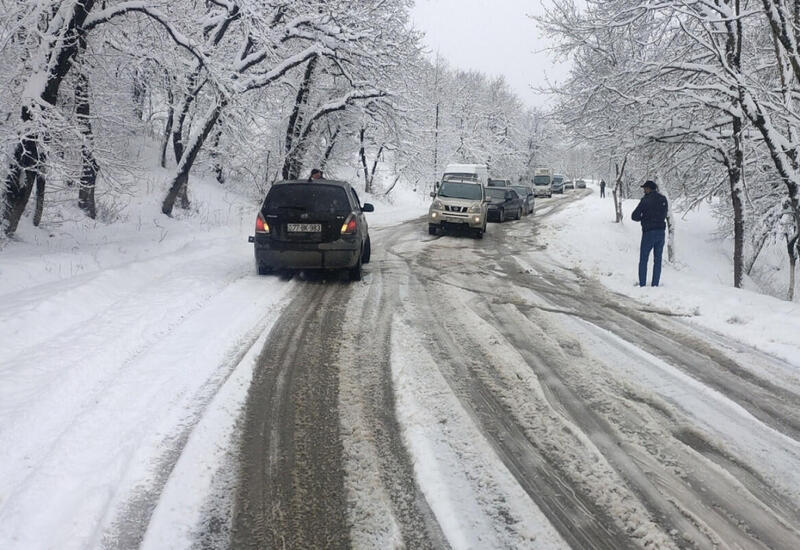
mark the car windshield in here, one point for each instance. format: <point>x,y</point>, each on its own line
<point>497,193</point>
<point>460,177</point>
<point>460,191</point>
<point>557,179</point>
<point>523,191</point>
<point>306,197</point>
<point>541,180</point>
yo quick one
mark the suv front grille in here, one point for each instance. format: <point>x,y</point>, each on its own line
<point>449,208</point>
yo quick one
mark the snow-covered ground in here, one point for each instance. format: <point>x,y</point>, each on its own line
<point>126,351</point>
<point>126,348</point>
<point>699,284</point>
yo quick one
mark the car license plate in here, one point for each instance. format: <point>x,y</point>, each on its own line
<point>304,227</point>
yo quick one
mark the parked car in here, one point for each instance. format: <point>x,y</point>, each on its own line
<point>569,184</point>
<point>558,183</point>
<point>580,184</point>
<point>528,198</point>
<point>504,204</point>
<point>458,204</point>
<point>312,225</point>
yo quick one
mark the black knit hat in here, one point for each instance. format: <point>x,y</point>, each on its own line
<point>650,184</point>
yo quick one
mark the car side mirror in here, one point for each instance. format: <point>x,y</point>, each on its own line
<point>433,193</point>
<point>367,207</point>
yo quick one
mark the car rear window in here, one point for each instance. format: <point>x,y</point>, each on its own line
<point>496,193</point>
<point>308,197</point>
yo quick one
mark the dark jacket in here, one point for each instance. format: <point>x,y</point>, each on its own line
<point>652,212</point>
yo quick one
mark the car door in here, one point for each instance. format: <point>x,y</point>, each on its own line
<point>359,213</point>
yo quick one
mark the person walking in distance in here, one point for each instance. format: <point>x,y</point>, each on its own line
<point>602,188</point>
<point>316,174</point>
<point>652,213</point>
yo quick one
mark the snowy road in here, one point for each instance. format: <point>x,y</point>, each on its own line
<point>474,394</point>
<point>156,393</point>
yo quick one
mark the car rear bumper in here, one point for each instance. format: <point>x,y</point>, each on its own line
<point>339,254</point>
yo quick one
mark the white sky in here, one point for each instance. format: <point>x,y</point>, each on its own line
<point>495,37</point>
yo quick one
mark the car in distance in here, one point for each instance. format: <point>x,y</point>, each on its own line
<point>467,172</point>
<point>499,183</point>
<point>580,184</point>
<point>569,184</point>
<point>458,204</point>
<point>542,183</point>
<point>528,198</point>
<point>558,183</point>
<point>504,204</point>
<point>312,225</point>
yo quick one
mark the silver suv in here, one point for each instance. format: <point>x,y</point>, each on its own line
<point>458,204</point>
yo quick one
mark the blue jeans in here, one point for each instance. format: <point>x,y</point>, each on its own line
<point>651,240</point>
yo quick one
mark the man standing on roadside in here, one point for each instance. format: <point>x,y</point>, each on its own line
<point>652,213</point>
<point>602,188</point>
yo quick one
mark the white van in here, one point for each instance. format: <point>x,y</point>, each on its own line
<point>478,173</point>
<point>543,182</point>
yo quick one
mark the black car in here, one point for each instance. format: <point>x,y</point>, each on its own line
<point>312,225</point>
<point>505,204</point>
<point>528,199</point>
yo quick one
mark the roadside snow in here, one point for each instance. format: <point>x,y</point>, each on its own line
<point>699,284</point>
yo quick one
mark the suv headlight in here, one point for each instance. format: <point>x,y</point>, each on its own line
<point>475,208</point>
<point>437,205</point>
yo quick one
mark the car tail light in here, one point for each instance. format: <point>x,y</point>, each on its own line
<point>350,225</point>
<point>261,224</point>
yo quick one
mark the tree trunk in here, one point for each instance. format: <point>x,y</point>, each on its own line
<point>362,153</point>
<point>734,177</point>
<point>89,165</point>
<point>168,125</point>
<point>28,158</point>
<point>192,91</point>
<point>138,92</point>
<point>293,144</point>
<point>374,167</point>
<point>180,181</point>
<point>215,154</point>
<point>619,171</point>
<point>733,54</point>
<point>791,247</point>
<point>391,187</point>
<point>329,149</point>
<point>758,246</point>
<point>19,182</point>
<point>39,210</point>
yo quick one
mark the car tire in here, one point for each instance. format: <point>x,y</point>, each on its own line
<point>432,229</point>
<point>367,251</point>
<point>519,214</point>
<point>478,233</point>
<point>355,271</point>
<point>263,269</point>
<point>501,217</point>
